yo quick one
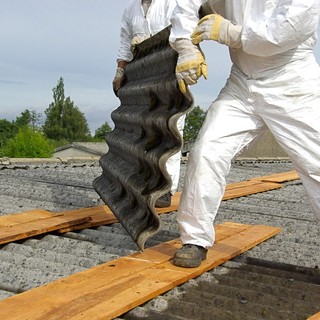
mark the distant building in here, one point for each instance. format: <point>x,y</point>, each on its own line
<point>81,149</point>
<point>265,147</point>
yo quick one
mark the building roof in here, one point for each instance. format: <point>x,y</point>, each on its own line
<point>95,148</point>
<point>278,279</point>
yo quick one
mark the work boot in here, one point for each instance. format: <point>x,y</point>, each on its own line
<point>164,201</point>
<point>189,256</point>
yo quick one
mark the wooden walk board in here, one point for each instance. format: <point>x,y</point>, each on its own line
<point>36,227</point>
<point>103,215</point>
<point>28,216</point>
<point>315,317</point>
<point>23,225</point>
<point>241,184</point>
<point>279,177</point>
<point>31,223</point>
<point>100,215</point>
<point>113,288</point>
<point>246,188</point>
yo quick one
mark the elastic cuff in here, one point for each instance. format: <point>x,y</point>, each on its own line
<point>230,34</point>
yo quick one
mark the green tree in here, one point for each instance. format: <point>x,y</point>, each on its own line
<point>7,130</point>
<point>24,119</point>
<point>28,144</point>
<point>64,120</point>
<point>193,123</point>
<point>29,118</point>
<point>101,132</point>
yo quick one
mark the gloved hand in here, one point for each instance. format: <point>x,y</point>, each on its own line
<point>215,27</point>
<point>191,64</point>
<point>136,40</point>
<point>118,80</point>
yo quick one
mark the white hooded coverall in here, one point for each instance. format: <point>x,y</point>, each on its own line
<point>274,83</point>
<point>135,23</point>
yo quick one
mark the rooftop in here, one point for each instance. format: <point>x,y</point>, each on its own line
<point>278,279</point>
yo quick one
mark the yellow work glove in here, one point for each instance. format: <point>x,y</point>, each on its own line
<point>136,40</point>
<point>215,27</point>
<point>118,80</point>
<point>191,64</point>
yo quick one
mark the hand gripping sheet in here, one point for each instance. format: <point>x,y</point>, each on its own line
<point>145,135</point>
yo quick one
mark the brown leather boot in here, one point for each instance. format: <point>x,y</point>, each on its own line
<point>189,256</point>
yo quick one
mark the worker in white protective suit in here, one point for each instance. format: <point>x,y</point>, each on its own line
<point>274,83</point>
<point>141,20</point>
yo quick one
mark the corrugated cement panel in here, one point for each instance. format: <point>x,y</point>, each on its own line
<point>144,137</point>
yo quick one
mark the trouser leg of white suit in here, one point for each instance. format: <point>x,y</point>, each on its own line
<point>173,163</point>
<point>230,125</point>
<point>293,116</point>
<point>289,104</point>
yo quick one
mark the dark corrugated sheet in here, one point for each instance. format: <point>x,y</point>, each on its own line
<point>144,137</point>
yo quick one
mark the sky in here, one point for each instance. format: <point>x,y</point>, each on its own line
<point>43,40</point>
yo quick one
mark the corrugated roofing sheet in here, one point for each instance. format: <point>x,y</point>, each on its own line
<point>144,137</point>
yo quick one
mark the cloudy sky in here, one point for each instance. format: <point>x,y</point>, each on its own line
<point>43,40</point>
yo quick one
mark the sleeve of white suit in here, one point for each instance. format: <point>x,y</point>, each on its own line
<point>124,51</point>
<point>170,7</point>
<point>289,24</point>
<point>184,19</point>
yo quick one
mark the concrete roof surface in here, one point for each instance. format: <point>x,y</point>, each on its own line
<point>278,279</point>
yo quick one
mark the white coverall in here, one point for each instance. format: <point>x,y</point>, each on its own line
<point>135,23</point>
<point>274,83</point>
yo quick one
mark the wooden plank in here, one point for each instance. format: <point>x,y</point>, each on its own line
<point>280,177</point>
<point>315,317</point>
<point>97,219</point>
<point>25,223</point>
<point>36,227</point>
<point>151,282</point>
<point>242,184</point>
<point>226,230</point>
<point>27,216</point>
<point>236,224</point>
<point>251,189</point>
<point>102,215</point>
<point>111,289</point>
<point>164,277</point>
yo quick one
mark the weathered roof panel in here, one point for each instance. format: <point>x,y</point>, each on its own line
<point>259,284</point>
<point>145,135</point>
